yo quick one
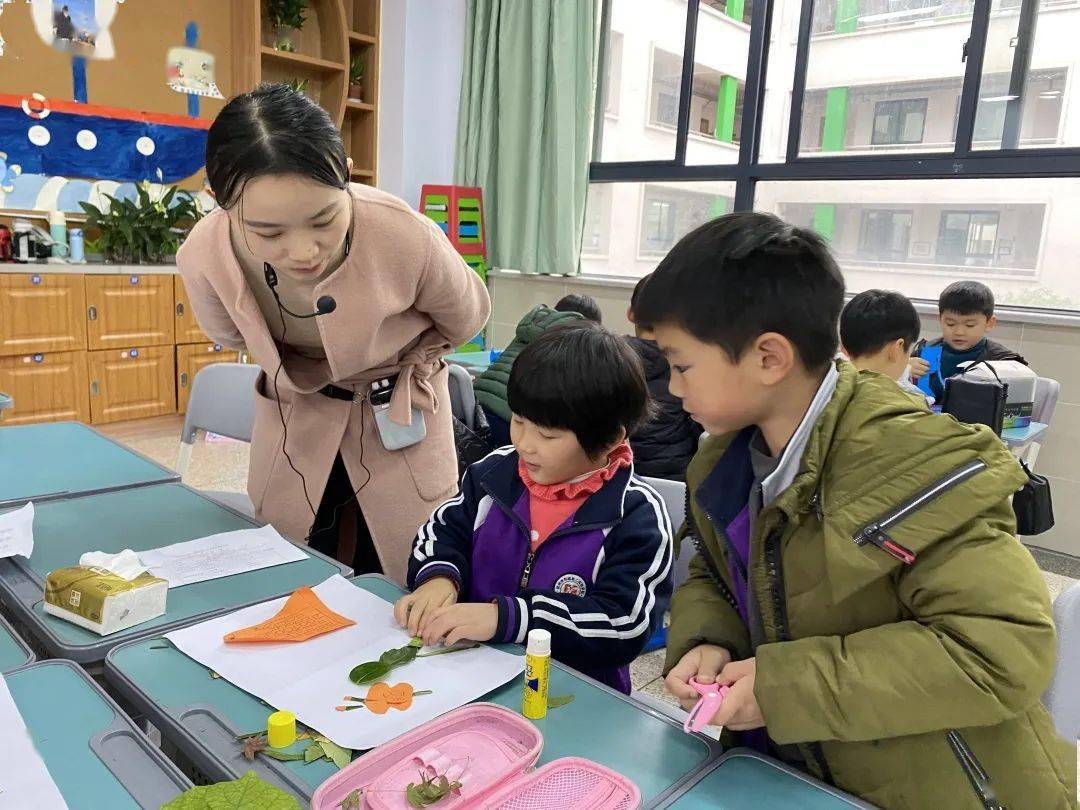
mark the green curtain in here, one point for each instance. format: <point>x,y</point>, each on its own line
<point>525,126</point>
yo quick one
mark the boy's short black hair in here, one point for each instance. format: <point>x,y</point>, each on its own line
<point>635,296</point>
<point>876,317</point>
<point>967,298</point>
<point>584,305</point>
<point>742,275</point>
<point>580,377</point>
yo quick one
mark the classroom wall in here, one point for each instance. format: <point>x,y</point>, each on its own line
<point>422,52</point>
<point>1051,350</point>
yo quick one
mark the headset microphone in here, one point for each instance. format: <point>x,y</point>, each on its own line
<point>324,306</point>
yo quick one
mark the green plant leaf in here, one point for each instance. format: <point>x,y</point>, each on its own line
<point>351,802</point>
<point>555,701</point>
<point>240,794</point>
<point>281,756</point>
<point>313,752</point>
<point>334,752</point>
<point>400,656</point>
<point>368,672</point>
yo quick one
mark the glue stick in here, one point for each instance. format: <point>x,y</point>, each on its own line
<point>537,672</point>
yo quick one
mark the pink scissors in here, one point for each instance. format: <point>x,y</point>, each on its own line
<point>712,695</point>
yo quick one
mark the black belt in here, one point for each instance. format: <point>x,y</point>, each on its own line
<point>334,392</point>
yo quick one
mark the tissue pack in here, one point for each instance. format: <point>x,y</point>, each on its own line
<point>102,601</point>
<point>1021,394</point>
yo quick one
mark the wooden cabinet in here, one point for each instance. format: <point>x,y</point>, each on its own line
<point>187,328</point>
<point>41,313</point>
<point>126,311</point>
<point>134,383</point>
<point>190,360</point>
<point>46,387</point>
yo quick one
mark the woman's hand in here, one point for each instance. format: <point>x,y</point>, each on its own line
<point>414,610</point>
<point>466,622</point>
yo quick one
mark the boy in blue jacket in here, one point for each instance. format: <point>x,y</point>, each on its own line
<point>555,531</point>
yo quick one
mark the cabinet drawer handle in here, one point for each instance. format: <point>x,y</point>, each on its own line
<point>92,313</point>
<point>179,310</point>
<point>183,379</point>
<point>95,388</point>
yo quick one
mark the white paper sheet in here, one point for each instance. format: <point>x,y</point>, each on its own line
<point>25,783</point>
<point>17,532</point>
<point>312,677</point>
<point>220,555</point>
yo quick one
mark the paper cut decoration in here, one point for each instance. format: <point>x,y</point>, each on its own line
<point>381,697</point>
<point>191,71</point>
<point>303,617</point>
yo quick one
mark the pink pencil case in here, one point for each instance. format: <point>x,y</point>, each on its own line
<point>491,751</point>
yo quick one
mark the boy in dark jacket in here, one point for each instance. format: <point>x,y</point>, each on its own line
<point>555,532</point>
<point>966,310</point>
<point>664,445</point>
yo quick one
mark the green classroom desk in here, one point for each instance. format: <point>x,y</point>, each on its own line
<point>745,780</point>
<point>13,650</point>
<point>94,753</point>
<point>201,716</point>
<point>62,459</point>
<point>140,519</point>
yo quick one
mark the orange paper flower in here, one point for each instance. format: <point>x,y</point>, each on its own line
<point>381,697</point>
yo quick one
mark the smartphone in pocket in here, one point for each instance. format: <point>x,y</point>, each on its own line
<point>393,435</point>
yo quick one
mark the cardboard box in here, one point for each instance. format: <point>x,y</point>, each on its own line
<point>102,601</point>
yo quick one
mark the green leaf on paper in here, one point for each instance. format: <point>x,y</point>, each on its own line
<point>368,672</point>
<point>240,794</point>
<point>555,701</point>
<point>399,657</point>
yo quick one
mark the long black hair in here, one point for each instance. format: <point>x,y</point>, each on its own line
<point>272,130</point>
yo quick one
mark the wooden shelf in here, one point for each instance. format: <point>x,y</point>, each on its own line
<point>357,38</point>
<point>351,104</point>
<point>301,60</point>
<point>363,173</point>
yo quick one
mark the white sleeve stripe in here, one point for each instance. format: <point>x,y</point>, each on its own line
<point>599,562</point>
<point>596,632</point>
<point>649,579</point>
<point>438,562</point>
<point>427,533</point>
<point>523,620</point>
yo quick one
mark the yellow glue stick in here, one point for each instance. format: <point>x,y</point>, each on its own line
<point>537,672</point>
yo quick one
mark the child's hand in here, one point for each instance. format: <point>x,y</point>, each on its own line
<point>704,662</point>
<point>470,621</point>
<point>414,610</point>
<point>919,367</point>
<point>739,711</point>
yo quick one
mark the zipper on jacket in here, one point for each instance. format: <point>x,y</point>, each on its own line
<point>980,781</point>
<point>526,569</point>
<point>710,564</point>
<point>876,532</point>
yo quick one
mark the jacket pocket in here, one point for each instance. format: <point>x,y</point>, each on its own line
<point>268,435</point>
<point>433,461</point>
<point>876,532</point>
<point>976,776</point>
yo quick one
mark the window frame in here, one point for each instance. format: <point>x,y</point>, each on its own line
<point>897,120</point>
<point>863,253</point>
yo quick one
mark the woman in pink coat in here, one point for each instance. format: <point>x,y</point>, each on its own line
<point>347,299</point>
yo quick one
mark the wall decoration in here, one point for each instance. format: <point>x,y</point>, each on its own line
<point>189,70</point>
<point>78,27</point>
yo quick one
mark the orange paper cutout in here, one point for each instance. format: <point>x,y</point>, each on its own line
<point>303,617</point>
<point>381,697</point>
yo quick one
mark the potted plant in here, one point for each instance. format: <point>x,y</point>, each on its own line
<point>356,77</point>
<point>297,85</point>
<point>144,229</point>
<point>286,18</point>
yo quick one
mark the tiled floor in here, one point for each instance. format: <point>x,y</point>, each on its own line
<point>222,465</point>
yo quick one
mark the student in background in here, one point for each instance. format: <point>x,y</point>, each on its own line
<point>585,305</point>
<point>966,310</point>
<point>859,585</point>
<point>490,386</point>
<point>664,445</point>
<point>878,329</point>
<point>555,532</point>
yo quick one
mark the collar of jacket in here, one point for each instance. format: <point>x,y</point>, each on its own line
<point>602,509</point>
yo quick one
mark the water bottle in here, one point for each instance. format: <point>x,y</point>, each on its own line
<point>76,245</point>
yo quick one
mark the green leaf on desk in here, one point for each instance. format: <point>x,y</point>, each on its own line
<point>246,792</point>
<point>334,752</point>
<point>555,701</point>
<point>313,752</point>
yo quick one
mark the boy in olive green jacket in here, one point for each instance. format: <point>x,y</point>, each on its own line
<point>858,583</point>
